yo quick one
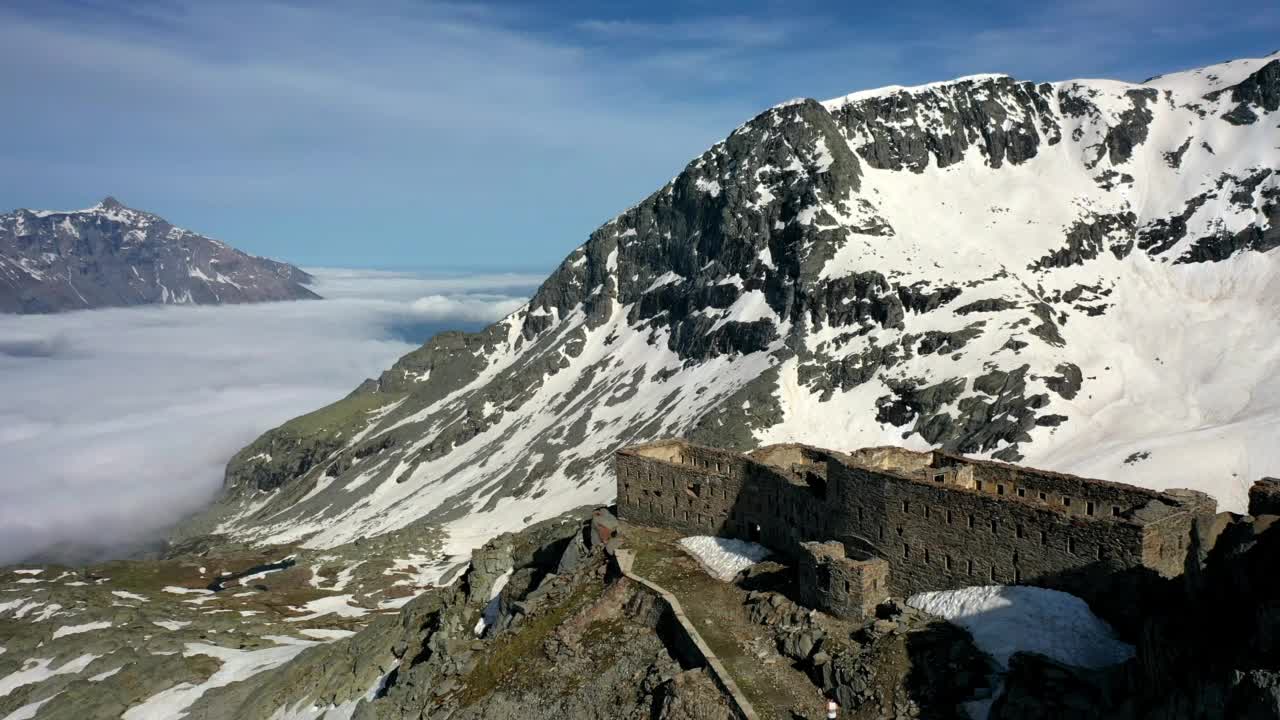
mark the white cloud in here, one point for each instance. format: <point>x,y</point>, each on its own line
<point>438,307</point>
<point>116,423</point>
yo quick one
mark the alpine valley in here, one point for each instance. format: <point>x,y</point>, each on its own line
<point>1077,275</point>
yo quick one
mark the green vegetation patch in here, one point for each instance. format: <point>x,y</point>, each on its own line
<point>516,659</point>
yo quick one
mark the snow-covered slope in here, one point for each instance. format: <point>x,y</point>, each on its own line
<point>111,255</point>
<point>1075,275</point>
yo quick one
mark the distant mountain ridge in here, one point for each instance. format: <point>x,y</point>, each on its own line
<point>110,255</point>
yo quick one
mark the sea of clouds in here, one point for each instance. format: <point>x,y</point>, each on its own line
<point>115,424</point>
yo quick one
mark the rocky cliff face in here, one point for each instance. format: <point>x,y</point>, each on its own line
<point>111,255</point>
<point>1077,275</point>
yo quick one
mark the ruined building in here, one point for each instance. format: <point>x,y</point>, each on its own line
<point>861,526</point>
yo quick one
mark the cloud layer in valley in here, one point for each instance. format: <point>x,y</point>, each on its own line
<point>116,423</point>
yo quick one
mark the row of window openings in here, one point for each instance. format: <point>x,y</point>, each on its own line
<point>995,525</point>
<point>760,504</point>
<point>658,508</point>
<point>948,564</point>
<point>1022,492</point>
<point>1019,531</point>
<point>694,490</point>
<point>683,460</point>
<point>1066,502</point>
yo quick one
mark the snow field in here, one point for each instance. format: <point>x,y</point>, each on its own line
<point>1005,619</point>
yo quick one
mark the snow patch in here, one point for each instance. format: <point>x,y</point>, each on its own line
<point>237,665</point>
<point>66,630</point>
<point>724,558</point>
<point>1007,619</point>
<point>37,670</point>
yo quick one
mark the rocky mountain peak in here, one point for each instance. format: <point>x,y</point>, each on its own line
<point>111,255</point>
<point>1025,271</point>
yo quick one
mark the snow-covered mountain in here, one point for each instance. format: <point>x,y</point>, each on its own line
<point>111,255</point>
<point>1075,275</point>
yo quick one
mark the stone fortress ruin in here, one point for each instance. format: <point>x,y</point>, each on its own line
<point>864,525</point>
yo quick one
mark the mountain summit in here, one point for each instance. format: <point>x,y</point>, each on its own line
<point>111,255</point>
<point>1078,275</point>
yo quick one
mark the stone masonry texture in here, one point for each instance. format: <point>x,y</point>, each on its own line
<point>862,525</point>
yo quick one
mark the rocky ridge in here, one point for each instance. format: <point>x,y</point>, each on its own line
<point>1039,272</point>
<point>110,255</point>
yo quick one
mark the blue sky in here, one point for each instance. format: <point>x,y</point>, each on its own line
<point>453,135</point>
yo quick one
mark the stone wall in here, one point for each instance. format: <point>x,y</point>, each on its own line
<point>939,521</point>
<point>1172,528</point>
<point>713,492</point>
<point>684,639</point>
<point>936,536</point>
<point>687,488</point>
<point>838,585</point>
<point>1068,494</point>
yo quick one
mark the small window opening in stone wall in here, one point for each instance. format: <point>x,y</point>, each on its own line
<point>1016,557</point>
<point>881,532</point>
<point>946,562</point>
<point>899,531</point>
<point>848,586</point>
<point>1088,508</point>
<point>861,516</point>
<point>1044,538</point>
<point>968,566</point>
<point>1044,497</point>
<point>949,517</point>
<point>906,551</point>
<point>995,526</point>
<point>875,583</point>
<point>1115,511</point>
<point>978,484</point>
<point>1022,492</point>
<point>1017,575</point>
<point>992,573</point>
<point>1071,546</point>
<point>926,556</point>
<point>906,506</point>
<point>939,477</point>
<point>972,520</point>
<point>999,488</point>
<point>1066,502</point>
<point>1101,553</point>
<point>926,512</point>
<point>1020,531</point>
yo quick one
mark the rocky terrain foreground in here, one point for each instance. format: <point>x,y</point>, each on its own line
<point>545,624</point>
<point>110,255</point>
